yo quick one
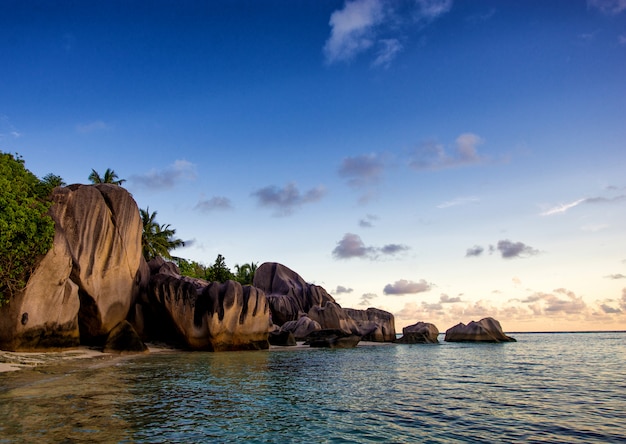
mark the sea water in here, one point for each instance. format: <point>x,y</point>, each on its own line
<point>567,387</point>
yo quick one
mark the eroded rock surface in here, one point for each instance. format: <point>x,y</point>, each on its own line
<point>485,330</point>
<point>85,285</point>
<point>419,333</point>
<point>301,328</point>
<point>208,315</point>
<point>374,324</point>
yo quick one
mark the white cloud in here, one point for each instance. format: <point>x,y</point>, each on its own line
<point>432,155</point>
<point>611,7</point>
<point>432,9</point>
<point>214,203</point>
<point>404,286</point>
<point>562,208</point>
<point>352,29</point>
<point>388,50</point>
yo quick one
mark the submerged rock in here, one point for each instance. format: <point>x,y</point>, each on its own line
<point>485,330</point>
<point>419,333</point>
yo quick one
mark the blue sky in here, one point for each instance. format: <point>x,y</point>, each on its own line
<point>444,160</point>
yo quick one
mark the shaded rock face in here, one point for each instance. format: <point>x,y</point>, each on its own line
<point>85,285</point>
<point>123,339</point>
<point>290,298</point>
<point>485,330</point>
<point>207,315</point>
<point>301,328</point>
<point>330,338</point>
<point>419,333</point>
<point>287,293</point>
<point>282,338</point>
<point>374,324</point>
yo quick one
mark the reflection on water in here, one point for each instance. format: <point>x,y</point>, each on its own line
<point>551,388</point>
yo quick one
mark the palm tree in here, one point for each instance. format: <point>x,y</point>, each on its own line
<point>157,240</point>
<point>245,273</point>
<point>110,176</point>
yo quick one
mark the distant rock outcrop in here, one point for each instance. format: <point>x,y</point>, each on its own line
<point>485,330</point>
<point>206,315</point>
<point>374,324</point>
<point>419,333</point>
<point>294,303</point>
<point>287,293</point>
<point>86,284</point>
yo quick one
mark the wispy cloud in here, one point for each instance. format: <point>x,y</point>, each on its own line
<point>367,298</point>
<point>351,246</point>
<point>475,251</point>
<point>404,286</point>
<point>433,156</point>
<point>90,127</point>
<point>342,290</point>
<point>214,203</point>
<point>7,129</point>
<point>363,173</point>
<point>180,170</point>
<point>562,208</point>
<point>616,276</point>
<point>368,221</point>
<point>364,25</point>
<point>458,201</point>
<point>610,7</point>
<point>286,200</point>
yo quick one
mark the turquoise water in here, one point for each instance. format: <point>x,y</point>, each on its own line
<point>568,388</point>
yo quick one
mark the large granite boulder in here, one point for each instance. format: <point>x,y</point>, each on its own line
<point>485,330</point>
<point>85,285</point>
<point>207,315</point>
<point>419,333</point>
<point>332,317</point>
<point>301,328</point>
<point>374,324</point>
<point>287,293</point>
<point>330,338</point>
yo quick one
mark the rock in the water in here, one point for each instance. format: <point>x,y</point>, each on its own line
<point>419,333</point>
<point>85,285</point>
<point>330,338</point>
<point>282,338</point>
<point>485,330</point>
<point>301,328</point>
<point>374,325</point>
<point>208,315</point>
<point>287,293</point>
<point>123,339</point>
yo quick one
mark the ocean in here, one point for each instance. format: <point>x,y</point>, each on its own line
<point>545,388</point>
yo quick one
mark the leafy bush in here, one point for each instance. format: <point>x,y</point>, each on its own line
<point>26,231</point>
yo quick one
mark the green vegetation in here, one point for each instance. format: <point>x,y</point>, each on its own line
<point>26,231</point>
<point>157,240</point>
<point>218,272</point>
<point>110,176</point>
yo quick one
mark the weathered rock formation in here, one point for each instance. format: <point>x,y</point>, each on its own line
<point>206,315</point>
<point>303,308</point>
<point>123,339</point>
<point>330,338</point>
<point>485,330</point>
<point>375,325</point>
<point>287,293</point>
<point>419,333</point>
<point>85,285</point>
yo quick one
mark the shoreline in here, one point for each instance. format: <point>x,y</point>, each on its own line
<point>16,361</point>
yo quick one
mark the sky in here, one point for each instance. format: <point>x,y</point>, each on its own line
<point>443,160</point>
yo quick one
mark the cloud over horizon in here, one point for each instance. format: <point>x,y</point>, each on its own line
<point>285,200</point>
<point>404,286</point>
<point>351,245</point>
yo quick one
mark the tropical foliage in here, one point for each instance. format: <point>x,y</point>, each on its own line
<point>218,272</point>
<point>244,274</point>
<point>157,240</point>
<point>26,231</point>
<point>110,176</point>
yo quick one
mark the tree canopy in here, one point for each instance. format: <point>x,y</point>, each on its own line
<point>110,176</point>
<point>157,240</point>
<point>26,231</point>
